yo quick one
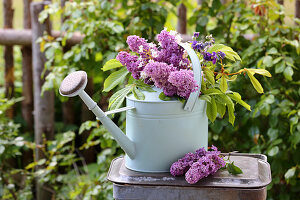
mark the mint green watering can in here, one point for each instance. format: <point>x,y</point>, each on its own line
<point>158,132</point>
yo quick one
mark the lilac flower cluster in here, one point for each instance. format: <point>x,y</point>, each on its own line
<point>166,66</point>
<point>159,73</point>
<point>203,47</point>
<point>198,165</point>
<point>130,61</point>
<point>184,81</point>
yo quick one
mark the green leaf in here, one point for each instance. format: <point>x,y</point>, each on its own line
<point>114,79</point>
<point>229,53</point>
<point>98,57</point>
<point>272,133</point>
<point>209,75</point>
<point>279,67</point>
<point>276,60</point>
<point>233,169</point>
<point>230,106</point>
<point>212,91</point>
<point>138,94</point>
<point>211,110</point>
<point>87,126</point>
<point>111,64</point>
<point>118,98</point>
<point>205,97</point>
<point>273,151</point>
<point>288,73</point>
<point>290,173</point>
<point>223,84</point>
<point>2,148</point>
<point>273,50</point>
<point>260,71</point>
<point>143,86</point>
<point>255,83</point>
<point>163,97</point>
<point>237,97</point>
<point>221,108</point>
<point>268,61</point>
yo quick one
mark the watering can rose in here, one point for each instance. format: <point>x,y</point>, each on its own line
<point>166,66</point>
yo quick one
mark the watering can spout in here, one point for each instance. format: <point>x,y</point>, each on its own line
<point>74,85</point>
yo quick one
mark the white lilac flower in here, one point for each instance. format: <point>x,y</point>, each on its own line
<point>144,75</point>
<point>152,45</point>
<point>154,53</point>
<point>140,65</point>
<point>141,48</point>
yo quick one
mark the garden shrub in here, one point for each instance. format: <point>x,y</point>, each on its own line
<point>272,128</point>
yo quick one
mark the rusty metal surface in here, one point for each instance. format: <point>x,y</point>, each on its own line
<point>256,174</point>
<point>122,192</point>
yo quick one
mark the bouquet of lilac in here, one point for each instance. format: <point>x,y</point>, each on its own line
<point>200,164</point>
<point>166,66</point>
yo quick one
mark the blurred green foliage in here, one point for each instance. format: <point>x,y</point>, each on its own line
<point>255,29</point>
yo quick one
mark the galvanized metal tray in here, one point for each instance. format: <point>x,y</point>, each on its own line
<point>256,174</point>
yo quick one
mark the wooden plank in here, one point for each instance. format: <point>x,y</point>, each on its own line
<point>8,56</point>
<point>27,81</point>
<point>43,105</point>
<point>24,37</point>
<point>181,25</point>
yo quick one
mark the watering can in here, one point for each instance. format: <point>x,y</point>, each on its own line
<point>158,132</point>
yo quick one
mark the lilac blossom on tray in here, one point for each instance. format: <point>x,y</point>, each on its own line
<point>198,165</point>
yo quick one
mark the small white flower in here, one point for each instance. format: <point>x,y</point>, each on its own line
<point>180,63</point>
<point>143,75</point>
<point>159,43</point>
<point>141,49</point>
<point>151,45</point>
<point>154,53</point>
<point>151,61</point>
<point>140,58</point>
<point>140,65</point>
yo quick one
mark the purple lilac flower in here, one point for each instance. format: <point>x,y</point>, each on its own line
<point>170,52</point>
<point>221,54</point>
<point>135,42</point>
<point>198,165</point>
<point>184,81</point>
<point>199,170</point>
<point>182,165</point>
<point>131,62</point>
<point>159,73</point>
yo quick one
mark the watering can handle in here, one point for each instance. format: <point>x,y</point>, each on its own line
<point>190,103</point>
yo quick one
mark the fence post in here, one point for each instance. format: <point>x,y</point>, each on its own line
<point>8,55</point>
<point>181,25</point>
<point>297,10</point>
<point>27,92</point>
<point>43,105</point>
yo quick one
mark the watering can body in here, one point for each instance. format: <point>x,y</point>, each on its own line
<point>163,131</point>
<point>157,132</point>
